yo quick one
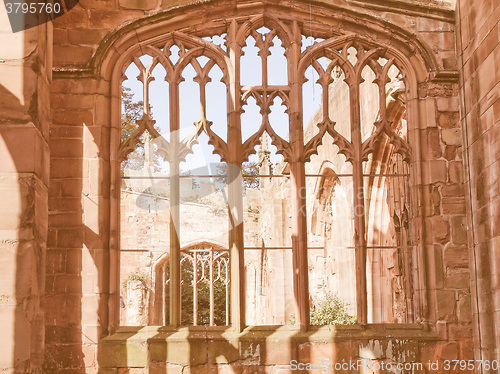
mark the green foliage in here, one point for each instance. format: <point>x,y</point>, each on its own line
<point>138,276</point>
<point>131,113</point>
<point>249,169</point>
<point>203,296</point>
<point>253,209</point>
<point>331,310</point>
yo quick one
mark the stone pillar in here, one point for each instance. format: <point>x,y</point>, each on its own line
<point>478,46</point>
<point>77,253</point>
<point>136,303</point>
<point>25,75</point>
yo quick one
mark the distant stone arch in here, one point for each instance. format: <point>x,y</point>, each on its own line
<point>159,302</point>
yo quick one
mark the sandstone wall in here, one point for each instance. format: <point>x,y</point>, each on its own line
<point>274,350</point>
<point>25,75</point>
<point>478,39</point>
<point>78,244</point>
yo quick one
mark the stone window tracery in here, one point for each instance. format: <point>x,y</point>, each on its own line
<point>343,100</point>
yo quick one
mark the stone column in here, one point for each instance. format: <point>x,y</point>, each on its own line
<point>478,46</point>
<point>25,75</point>
<point>136,303</point>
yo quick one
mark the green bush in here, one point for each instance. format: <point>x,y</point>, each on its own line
<point>331,310</point>
<point>138,276</point>
<point>187,276</point>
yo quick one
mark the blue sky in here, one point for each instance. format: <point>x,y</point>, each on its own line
<point>216,98</point>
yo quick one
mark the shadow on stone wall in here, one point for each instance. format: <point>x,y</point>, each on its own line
<point>23,197</point>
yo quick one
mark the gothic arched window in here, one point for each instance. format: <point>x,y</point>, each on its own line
<point>226,132</point>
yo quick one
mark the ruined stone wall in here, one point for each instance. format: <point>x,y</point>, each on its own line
<point>445,262</point>
<point>145,239</point>
<point>145,231</point>
<point>269,270</point>
<point>25,75</point>
<point>478,45</point>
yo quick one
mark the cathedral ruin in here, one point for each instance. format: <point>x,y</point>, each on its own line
<point>251,187</point>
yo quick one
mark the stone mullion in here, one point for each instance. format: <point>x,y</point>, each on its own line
<point>359,205</point>
<point>211,285</point>
<point>325,84</point>
<point>165,288</point>
<point>264,53</point>
<point>145,92</point>
<point>298,189</point>
<point>203,99</point>
<point>175,247</point>
<point>418,212</point>
<point>226,283</point>
<point>195,288</point>
<point>235,186</point>
<point>115,199</point>
<point>404,238</point>
<point>381,81</point>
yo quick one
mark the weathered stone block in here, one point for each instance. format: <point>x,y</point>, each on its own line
<point>456,256</point>
<point>456,172</point>
<point>71,55</point>
<point>277,353</point>
<point>453,205</point>
<point>108,371</point>
<point>438,171</point>
<point>70,132</point>
<point>464,307</point>
<point>223,351</point>
<point>447,104</point>
<point>449,351</point>
<point>457,279</point>
<point>451,136</point>
<point>69,356</point>
<point>86,36</point>
<point>458,230</point>
<point>462,331</point>
<point>77,16</point>
<point>66,148</point>
<point>437,258</point>
<point>446,304</point>
<point>448,120</point>
<point>70,237</point>
<point>434,146</point>
<point>440,229</point>
<point>466,350</point>
<point>74,117</point>
<point>109,18</point>
<point>69,101</point>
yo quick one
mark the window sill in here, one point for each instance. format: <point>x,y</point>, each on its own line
<point>139,346</point>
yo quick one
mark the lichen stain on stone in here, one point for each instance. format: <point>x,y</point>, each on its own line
<point>250,356</point>
<point>373,350</point>
<point>396,350</point>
